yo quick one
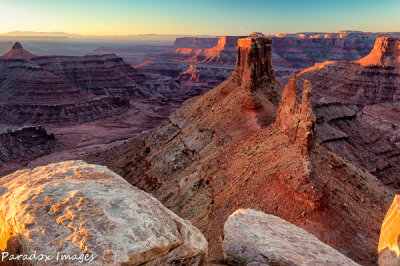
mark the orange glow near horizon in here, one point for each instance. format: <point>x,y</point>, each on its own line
<point>234,17</point>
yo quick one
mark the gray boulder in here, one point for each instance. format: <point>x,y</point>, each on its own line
<point>256,238</point>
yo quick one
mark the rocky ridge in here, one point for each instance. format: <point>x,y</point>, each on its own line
<point>23,145</point>
<point>223,151</point>
<point>297,120</point>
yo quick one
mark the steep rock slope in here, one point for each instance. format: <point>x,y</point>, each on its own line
<point>72,208</point>
<point>98,74</point>
<point>223,151</point>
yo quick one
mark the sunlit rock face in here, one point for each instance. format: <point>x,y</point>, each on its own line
<point>297,120</point>
<point>75,209</point>
<point>373,79</point>
<point>386,53</point>
<point>222,151</point>
<point>256,238</point>
<point>254,63</point>
<point>389,252</point>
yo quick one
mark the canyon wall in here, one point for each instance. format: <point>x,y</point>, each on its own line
<point>223,151</point>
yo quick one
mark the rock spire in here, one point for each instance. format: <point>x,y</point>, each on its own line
<point>18,52</point>
<point>297,120</point>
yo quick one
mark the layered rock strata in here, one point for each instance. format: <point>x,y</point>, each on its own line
<point>356,104</point>
<point>254,63</point>
<point>222,151</point>
<point>72,208</point>
<point>253,237</point>
<point>70,89</point>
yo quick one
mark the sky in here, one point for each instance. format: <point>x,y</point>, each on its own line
<point>201,17</point>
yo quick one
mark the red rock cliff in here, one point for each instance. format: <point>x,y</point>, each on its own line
<point>254,63</point>
<point>386,53</point>
<point>297,120</point>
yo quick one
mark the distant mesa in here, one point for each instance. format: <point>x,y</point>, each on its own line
<point>18,52</point>
<point>346,81</point>
<point>254,63</point>
<point>386,53</point>
<point>70,89</point>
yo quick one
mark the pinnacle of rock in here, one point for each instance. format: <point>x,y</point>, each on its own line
<point>18,52</point>
<point>297,120</point>
<point>254,63</point>
<point>17,45</point>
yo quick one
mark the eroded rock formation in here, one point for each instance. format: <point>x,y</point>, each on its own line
<point>254,63</point>
<point>222,151</point>
<point>356,105</point>
<point>78,209</point>
<point>253,237</point>
<point>297,120</point>
<point>18,52</point>
<point>386,53</point>
<point>70,89</point>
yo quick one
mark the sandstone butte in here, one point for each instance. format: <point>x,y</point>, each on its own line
<point>227,150</point>
<point>79,209</point>
<point>18,52</point>
<point>356,104</point>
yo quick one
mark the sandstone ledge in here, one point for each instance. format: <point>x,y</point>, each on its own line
<point>76,208</point>
<point>256,238</point>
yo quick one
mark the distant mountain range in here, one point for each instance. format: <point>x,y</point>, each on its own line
<point>63,36</point>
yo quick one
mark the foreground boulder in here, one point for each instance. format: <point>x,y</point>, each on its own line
<point>389,252</point>
<point>253,238</point>
<point>87,212</point>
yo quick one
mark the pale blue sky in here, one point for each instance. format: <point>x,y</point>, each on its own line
<point>217,17</point>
